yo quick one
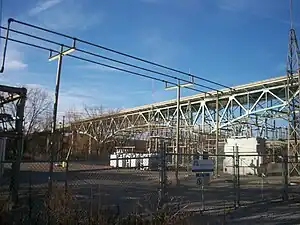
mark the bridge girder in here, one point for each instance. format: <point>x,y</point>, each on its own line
<point>249,110</point>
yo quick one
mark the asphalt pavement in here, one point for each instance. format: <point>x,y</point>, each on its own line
<point>135,190</point>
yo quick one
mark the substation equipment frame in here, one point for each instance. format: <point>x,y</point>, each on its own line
<point>12,100</point>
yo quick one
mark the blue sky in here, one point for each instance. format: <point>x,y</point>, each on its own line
<point>229,41</point>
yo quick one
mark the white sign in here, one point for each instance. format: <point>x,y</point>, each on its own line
<point>203,165</point>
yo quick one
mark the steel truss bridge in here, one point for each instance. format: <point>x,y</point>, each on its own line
<point>254,109</point>
<point>258,109</point>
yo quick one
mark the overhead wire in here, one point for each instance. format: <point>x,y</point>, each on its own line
<point>101,64</point>
<point>117,52</point>
<point>107,58</point>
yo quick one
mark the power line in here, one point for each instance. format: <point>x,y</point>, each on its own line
<point>106,58</point>
<point>116,52</point>
<point>101,64</point>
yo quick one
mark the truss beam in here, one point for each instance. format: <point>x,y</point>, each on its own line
<point>257,109</point>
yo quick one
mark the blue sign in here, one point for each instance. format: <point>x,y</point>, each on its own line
<point>204,165</point>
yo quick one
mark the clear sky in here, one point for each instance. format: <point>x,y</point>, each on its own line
<point>229,41</point>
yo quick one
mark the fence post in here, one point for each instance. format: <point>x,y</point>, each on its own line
<point>234,180</point>
<point>237,166</point>
<point>285,172</point>
<point>30,202</point>
<point>66,177</point>
<point>163,175</point>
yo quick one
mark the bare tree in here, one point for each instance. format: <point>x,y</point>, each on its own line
<point>38,106</point>
<point>93,111</point>
<point>72,116</point>
<point>37,110</point>
<point>100,135</point>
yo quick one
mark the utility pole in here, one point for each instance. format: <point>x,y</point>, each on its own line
<point>59,57</point>
<point>177,145</point>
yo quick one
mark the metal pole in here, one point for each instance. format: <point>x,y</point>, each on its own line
<point>286,153</point>
<point>15,182</point>
<point>285,174</point>
<point>202,192</point>
<point>262,186</point>
<point>5,45</point>
<point>63,137</point>
<point>237,157</point>
<point>234,179</point>
<point>54,118</point>
<point>217,134</point>
<point>177,133</point>
<point>72,142</point>
<point>163,175</point>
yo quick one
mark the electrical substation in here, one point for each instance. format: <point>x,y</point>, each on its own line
<point>222,147</point>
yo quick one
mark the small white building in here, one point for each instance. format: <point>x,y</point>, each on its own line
<point>249,151</point>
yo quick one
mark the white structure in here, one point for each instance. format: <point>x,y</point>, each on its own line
<point>123,158</point>
<point>249,150</point>
<point>2,154</point>
<point>134,160</point>
<point>150,161</point>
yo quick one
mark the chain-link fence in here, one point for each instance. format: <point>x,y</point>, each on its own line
<point>200,190</point>
<point>261,178</point>
<point>255,183</point>
<point>143,182</point>
<point>128,185</point>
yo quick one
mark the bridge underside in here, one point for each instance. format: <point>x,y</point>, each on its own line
<point>255,110</point>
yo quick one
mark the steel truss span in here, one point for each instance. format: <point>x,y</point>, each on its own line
<point>254,109</point>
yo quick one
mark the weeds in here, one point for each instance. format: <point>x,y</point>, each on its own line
<point>63,209</point>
